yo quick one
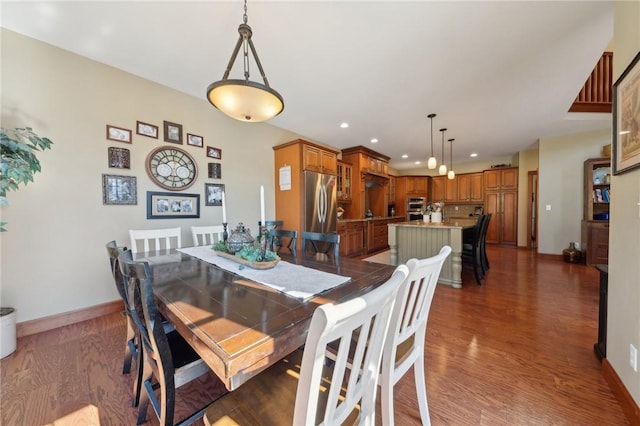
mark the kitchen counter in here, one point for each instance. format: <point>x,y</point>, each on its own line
<point>421,240</point>
<point>369,219</point>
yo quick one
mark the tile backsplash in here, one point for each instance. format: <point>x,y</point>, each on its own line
<point>464,210</point>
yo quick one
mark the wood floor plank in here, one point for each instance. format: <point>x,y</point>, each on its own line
<point>517,350</point>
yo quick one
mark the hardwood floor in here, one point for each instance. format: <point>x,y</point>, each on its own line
<point>517,350</point>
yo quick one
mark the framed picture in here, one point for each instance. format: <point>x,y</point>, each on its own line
<point>119,158</point>
<point>195,140</point>
<point>213,194</point>
<point>214,152</point>
<point>626,119</point>
<point>118,134</point>
<point>119,190</point>
<point>172,132</point>
<point>168,205</point>
<point>215,170</point>
<point>146,129</point>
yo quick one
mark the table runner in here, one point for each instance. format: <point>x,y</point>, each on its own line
<point>294,280</point>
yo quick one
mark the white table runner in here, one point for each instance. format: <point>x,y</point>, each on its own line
<point>294,280</point>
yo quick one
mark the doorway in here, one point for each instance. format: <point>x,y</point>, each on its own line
<point>532,210</point>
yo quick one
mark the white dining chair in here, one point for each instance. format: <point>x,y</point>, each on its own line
<point>166,238</point>
<point>206,235</point>
<point>308,391</point>
<point>404,346</point>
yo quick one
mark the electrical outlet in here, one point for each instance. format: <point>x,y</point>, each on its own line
<point>633,357</point>
<point>456,208</point>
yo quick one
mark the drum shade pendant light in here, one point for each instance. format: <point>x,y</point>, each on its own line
<point>245,100</point>
<point>443,167</point>
<point>432,163</point>
<point>451,175</point>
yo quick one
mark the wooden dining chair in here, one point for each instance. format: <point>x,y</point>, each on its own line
<point>169,360</point>
<point>404,346</point>
<point>276,241</point>
<point>302,389</point>
<point>162,238</point>
<point>471,249</point>
<point>206,235</point>
<point>483,244</point>
<point>132,342</point>
<point>322,243</point>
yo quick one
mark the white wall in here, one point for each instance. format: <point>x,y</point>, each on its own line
<point>53,256</point>
<point>561,175</point>
<point>623,325</point>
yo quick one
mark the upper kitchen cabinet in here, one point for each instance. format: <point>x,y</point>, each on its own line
<point>497,179</point>
<point>319,159</point>
<point>438,188</point>
<point>344,182</point>
<point>295,157</point>
<point>470,188</point>
<point>369,182</point>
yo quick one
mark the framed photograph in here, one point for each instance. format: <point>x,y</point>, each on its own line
<point>195,140</point>
<point>215,170</point>
<point>146,129</point>
<point>168,205</point>
<point>119,190</point>
<point>214,152</point>
<point>118,134</point>
<point>213,194</point>
<point>119,158</point>
<point>626,119</point>
<point>172,132</point>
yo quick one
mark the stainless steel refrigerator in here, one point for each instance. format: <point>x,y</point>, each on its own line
<point>320,206</point>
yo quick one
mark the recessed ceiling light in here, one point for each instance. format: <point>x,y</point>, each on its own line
<point>417,162</point>
<point>374,140</point>
<point>344,125</point>
<point>473,154</point>
<point>405,156</point>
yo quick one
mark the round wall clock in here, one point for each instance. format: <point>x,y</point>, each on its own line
<point>171,168</point>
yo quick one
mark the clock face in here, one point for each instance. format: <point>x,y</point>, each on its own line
<point>171,168</point>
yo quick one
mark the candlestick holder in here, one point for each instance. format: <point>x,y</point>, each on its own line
<point>263,240</point>
<point>225,235</point>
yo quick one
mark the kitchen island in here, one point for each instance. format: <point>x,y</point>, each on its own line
<point>422,239</point>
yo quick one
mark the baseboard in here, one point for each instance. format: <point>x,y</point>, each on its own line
<point>629,406</point>
<point>27,328</point>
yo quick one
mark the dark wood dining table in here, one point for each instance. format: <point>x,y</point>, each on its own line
<point>240,327</point>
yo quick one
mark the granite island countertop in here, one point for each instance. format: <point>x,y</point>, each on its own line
<point>369,219</point>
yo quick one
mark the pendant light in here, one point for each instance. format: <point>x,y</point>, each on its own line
<point>443,167</point>
<point>451,175</point>
<point>245,100</point>
<point>432,163</point>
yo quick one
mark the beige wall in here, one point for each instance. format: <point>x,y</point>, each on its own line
<point>561,178</point>
<point>528,161</point>
<point>623,326</point>
<point>53,257</point>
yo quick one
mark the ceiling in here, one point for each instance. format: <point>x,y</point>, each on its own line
<point>499,75</point>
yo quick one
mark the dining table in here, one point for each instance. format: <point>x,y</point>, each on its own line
<point>238,325</point>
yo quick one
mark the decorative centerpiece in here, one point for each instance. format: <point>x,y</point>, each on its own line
<point>241,247</point>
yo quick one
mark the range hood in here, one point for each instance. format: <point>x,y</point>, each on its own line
<point>374,180</point>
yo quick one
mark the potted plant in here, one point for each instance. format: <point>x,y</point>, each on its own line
<point>18,161</point>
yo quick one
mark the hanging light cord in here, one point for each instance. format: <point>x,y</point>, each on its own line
<point>450,153</point>
<point>443,130</point>
<point>431,118</point>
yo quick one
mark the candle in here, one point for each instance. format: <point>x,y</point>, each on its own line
<point>262,204</point>
<point>224,209</point>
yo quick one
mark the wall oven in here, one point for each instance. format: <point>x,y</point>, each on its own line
<point>415,207</point>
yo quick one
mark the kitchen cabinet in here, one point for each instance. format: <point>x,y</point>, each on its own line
<point>378,233</point>
<point>343,182</point>
<point>319,159</point>
<point>438,188</point>
<point>369,182</point>
<point>417,186</point>
<point>501,200</point>
<point>299,155</point>
<point>450,190</point>
<point>352,237</point>
<point>470,188</point>
<point>595,226</point>
<point>391,191</point>
<point>410,187</point>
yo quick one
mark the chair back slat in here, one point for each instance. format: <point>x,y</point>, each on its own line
<point>328,241</point>
<point>161,238</point>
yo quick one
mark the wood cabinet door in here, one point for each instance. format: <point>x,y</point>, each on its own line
<point>509,234</point>
<point>311,159</point>
<point>450,190</point>
<point>464,187</point>
<point>328,162</point>
<point>437,188</point>
<point>509,179</point>
<point>476,187</point>
<point>492,180</point>
<point>420,185</point>
<point>492,205</point>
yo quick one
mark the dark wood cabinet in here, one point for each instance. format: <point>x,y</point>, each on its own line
<point>595,226</point>
<point>501,200</point>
